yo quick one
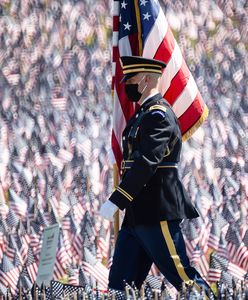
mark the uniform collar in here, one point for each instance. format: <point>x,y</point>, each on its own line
<point>150,100</point>
<point>147,98</point>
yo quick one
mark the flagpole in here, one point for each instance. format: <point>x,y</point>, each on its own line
<point>116,215</point>
<point>115,167</point>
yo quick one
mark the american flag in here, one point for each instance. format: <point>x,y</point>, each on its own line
<point>214,237</point>
<point>73,275</point>
<point>25,280</point>
<point>35,242</point>
<point>3,288</point>
<point>214,272</point>
<point>191,239</point>
<point>12,220</point>
<point>196,255</point>
<point>18,205</point>
<point>17,261</point>
<point>22,249</point>
<point>67,244</point>
<point>222,249</point>
<point>227,266</point>
<point>204,235</point>
<point>63,290</point>
<point>9,274</point>
<point>66,222</point>
<point>140,28</point>
<point>202,264</point>
<point>82,278</point>
<point>32,265</point>
<point>103,242</point>
<point>62,256</point>
<point>59,270</point>
<point>79,239</point>
<point>233,242</point>
<point>59,103</point>
<point>23,241</point>
<point>94,268</point>
<point>78,211</point>
<point>11,249</point>
<point>64,205</point>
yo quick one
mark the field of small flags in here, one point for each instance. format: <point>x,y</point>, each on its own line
<point>152,288</point>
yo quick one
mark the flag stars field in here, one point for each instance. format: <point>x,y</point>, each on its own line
<point>146,16</point>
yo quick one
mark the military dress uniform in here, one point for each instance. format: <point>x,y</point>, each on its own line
<point>154,200</point>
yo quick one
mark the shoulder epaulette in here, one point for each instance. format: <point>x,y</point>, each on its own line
<point>156,106</point>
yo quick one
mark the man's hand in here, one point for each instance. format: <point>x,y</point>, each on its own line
<point>108,209</point>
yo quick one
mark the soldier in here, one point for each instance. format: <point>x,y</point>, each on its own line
<point>150,191</point>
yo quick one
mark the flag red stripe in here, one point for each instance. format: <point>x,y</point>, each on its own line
<point>128,110</point>
<point>166,47</point>
<point>116,149</point>
<point>134,43</point>
<point>115,23</point>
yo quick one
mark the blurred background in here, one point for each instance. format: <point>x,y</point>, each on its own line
<point>55,130</point>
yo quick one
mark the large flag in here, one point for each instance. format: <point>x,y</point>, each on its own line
<point>140,28</point>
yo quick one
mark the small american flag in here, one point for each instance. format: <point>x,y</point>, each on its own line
<point>59,270</point>
<point>60,290</point>
<point>214,272</point>
<point>9,274</point>
<point>103,241</point>
<point>11,249</point>
<point>95,269</point>
<point>25,280</point>
<point>73,275</point>
<point>222,249</point>
<point>62,255</point>
<point>59,103</point>
<point>32,266</point>
<point>192,238</point>
<point>214,237</point>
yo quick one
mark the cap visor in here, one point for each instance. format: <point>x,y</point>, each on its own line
<point>123,79</point>
<point>126,77</point>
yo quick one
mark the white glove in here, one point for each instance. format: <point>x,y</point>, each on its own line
<point>108,209</point>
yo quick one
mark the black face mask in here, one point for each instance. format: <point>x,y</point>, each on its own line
<point>132,92</point>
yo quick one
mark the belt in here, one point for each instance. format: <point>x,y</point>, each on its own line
<point>127,164</point>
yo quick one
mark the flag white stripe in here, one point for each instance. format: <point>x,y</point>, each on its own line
<point>116,8</point>
<point>115,39</point>
<point>113,67</point>
<point>120,123</point>
<point>124,47</point>
<point>95,272</point>
<point>103,269</point>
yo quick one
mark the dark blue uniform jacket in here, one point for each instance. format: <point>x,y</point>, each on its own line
<point>151,193</point>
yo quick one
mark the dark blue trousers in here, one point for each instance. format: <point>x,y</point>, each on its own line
<point>138,247</point>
